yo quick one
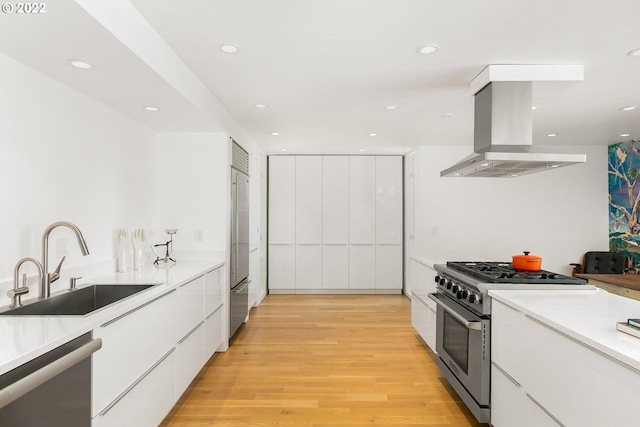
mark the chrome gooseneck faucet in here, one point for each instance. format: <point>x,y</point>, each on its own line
<point>48,278</point>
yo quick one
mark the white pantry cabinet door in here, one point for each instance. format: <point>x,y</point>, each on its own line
<point>362,200</point>
<point>388,266</point>
<point>309,200</point>
<point>335,267</point>
<point>389,200</point>
<point>282,267</point>
<point>212,333</point>
<point>308,266</point>
<point>362,259</point>
<point>335,200</point>
<point>282,199</point>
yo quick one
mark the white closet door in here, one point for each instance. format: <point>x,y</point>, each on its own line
<point>388,261</point>
<point>362,274</point>
<point>282,199</point>
<point>335,267</point>
<point>362,200</point>
<point>389,200</point>
<point>308,266</point>
<point>282,267</point>
<point>335,200</point>
<point>308,200</point>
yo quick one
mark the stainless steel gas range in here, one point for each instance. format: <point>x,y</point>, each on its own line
<point>463,322</point>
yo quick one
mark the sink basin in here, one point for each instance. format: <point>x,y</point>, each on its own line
<point>79,302</point>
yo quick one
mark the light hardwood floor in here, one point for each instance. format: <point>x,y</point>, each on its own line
<point>323,361</point>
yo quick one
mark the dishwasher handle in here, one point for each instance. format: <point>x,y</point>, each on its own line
<point>24,385</point>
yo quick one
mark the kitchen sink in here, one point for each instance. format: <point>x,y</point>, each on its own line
<point>78,302</point>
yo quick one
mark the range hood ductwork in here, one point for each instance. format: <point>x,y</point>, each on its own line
<point>503,135</point>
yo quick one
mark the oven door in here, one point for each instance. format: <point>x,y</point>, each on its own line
<point>463,344</point>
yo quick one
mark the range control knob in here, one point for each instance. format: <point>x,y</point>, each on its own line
<point>437,279</point>
<point>475,299</point>
<point>464,294</point>
<point>442,281</point>
<point>460,294</point>
<point>449,284</point>
<point>455,289</point>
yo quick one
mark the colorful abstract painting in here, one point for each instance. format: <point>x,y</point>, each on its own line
<point>624,199</point>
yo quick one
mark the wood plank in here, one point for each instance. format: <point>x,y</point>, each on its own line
<point>323,361</point>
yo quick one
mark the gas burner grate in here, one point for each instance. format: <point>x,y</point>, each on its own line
<point>503,272</point>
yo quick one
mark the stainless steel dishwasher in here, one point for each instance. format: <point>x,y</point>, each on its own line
<point>53,389</point>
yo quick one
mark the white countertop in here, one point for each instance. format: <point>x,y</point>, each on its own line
<point>589,316</point>
<point>23,338</point>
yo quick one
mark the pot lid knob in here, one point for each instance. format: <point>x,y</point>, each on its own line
<point>527,252</point>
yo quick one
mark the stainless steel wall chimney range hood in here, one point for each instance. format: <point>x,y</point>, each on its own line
<point>503,125</point>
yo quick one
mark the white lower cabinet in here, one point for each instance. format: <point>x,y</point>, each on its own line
<point>563,381</point>
<point>147,402</point>
<point>130,345</point>
<point>189,358</point>
<point>423,317</point>
<point>335,267</point>
<point>142,369</point>
<point>309,266</point>
<point>388,267</point>
<point>362,272</point>
<point>212,333</point>
<point>282,267</point>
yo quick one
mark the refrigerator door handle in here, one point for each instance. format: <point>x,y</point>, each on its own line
<point>234,265</point>
<point>242,287</point>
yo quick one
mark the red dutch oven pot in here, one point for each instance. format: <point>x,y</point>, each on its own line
<point>527,262</point>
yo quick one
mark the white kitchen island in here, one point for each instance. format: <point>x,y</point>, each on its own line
<point>557,359</point>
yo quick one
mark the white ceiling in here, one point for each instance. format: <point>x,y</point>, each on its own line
<point>327,69</point>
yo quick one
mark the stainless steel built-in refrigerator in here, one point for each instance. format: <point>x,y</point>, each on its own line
<point>239,300</point>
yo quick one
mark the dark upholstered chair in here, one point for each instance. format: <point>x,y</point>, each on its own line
<point>602,263</point>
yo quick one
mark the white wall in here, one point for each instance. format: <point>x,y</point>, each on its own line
<point>193,189</point>
<point>64,156</point>
<point>557,215</point>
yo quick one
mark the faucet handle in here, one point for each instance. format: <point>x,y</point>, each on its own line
<point>72,282</point>
<point>56,274</point>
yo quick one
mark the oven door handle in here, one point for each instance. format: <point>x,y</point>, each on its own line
<point>477,326</point>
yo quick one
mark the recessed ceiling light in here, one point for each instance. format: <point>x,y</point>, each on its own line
<point>428,49</point>
<point>456,174</point>
<point>629,108</point>
<point>275,133</point>
<point>484,164</point>
<point>261,105</point>
<point>635,52</point>
<point>391,107</point>
<point>150,108</point>
<point>79,63</point>
<point>625,134</point>
<point>552,134</point>
<point>446,115</point>
<point>229,48</point>
<point>535,107</point>
<point>284,150</point>
<point>373,134</point>
<point>361,150</point>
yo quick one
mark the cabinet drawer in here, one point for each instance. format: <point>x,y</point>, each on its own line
<point>189,306</point>
<point>575,383</point>
<point>509,340</point>
<point>213,290</point>
<point>212,333</point>
<point>147,403</point>
<point>189,359</point>
<point>130,346</point>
